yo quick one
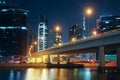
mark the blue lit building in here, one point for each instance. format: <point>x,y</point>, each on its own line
<point>108,23</point>
<point>13,30</point>
<point>42,33</point>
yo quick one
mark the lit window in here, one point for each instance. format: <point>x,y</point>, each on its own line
<point>104,28</point>
<point>3,2</point>
<point>107,22</point>
<point>118,18</point>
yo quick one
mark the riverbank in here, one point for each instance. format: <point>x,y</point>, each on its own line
<point>25,65</point>
<point>42,65</point>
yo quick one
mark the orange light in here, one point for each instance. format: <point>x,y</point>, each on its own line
<point>35,42</point>
<point>88,11</point>
<point>57,28</point>
<point>74,39</point>
<point>94,32</point>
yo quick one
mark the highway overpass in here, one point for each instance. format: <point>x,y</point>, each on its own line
<point>98,43</point>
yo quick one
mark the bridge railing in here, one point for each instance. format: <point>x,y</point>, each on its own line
<point>86,38</point>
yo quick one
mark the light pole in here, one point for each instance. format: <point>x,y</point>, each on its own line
<point>57,28</point>
<point>87,13</point>
<point>74,39</point>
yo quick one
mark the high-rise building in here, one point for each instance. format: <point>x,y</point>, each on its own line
<point>109,23</point>
<point>13,30</point>
<point>55,36</point>
<point>75,32</point>
<point>42,34</point>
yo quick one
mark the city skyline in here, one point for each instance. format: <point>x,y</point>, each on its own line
<point>66,13</point>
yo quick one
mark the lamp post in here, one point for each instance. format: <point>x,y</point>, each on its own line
<point>32,47</point>
<point>57,28</point>
<point>74,39</point>
<point>87,13</point>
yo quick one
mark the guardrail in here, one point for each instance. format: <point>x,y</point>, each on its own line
<point>85,38</point>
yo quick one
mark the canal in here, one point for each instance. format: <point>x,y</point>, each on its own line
<point>55,74</point>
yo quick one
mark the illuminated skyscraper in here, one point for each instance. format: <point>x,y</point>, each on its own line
<point>42,34</point>
<point>13,30</point>
<point>108,23</point>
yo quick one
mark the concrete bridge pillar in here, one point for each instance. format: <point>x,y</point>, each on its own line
<point>48,60</point>
<point>67,59</point>
<point>118,57</point>
<point>58,59</point>
<point>101,57</point>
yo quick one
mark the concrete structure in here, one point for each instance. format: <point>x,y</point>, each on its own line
<point>42,34</point>
<point>99,43</point>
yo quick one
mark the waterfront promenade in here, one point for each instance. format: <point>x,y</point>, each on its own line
<point>42,65</point>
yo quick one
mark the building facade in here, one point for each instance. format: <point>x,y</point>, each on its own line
<point>109,23</point>
<point>42,34</point>
<point>75,32</point>
<point>13,30</point>
<point>57,38</point>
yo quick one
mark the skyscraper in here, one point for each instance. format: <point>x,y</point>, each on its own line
<point>42,33</point>
<point>108,23</point>
<point>75,32</point>
<point>13,30</point>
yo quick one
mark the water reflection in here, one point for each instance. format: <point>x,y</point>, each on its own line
<point>37,74</point>
<point>54,74</point>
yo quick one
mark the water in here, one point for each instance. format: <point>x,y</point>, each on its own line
<point>54,74</point>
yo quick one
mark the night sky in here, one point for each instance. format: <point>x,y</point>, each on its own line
<point>66,12</point>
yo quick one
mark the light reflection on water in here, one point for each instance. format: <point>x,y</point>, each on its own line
<point>54,74</point>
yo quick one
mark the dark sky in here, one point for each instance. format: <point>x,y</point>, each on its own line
<point>66,12</point>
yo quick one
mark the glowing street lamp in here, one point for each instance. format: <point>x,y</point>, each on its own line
<point>35,42</point>
<point>87,13</point>
<point>94,33</point>
<point>74,39</point>
<point>57,28</point>
<point>31,46</point>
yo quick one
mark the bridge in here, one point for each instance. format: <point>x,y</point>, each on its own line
<point>100,43</point>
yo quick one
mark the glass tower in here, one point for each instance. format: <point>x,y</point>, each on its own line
<point>42,34</point>
<point>13,30</point>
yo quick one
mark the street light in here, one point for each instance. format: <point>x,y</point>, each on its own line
<point>74,39</point>
<point>57,28</point>
<point>35,42</point>
<point>87,13</point>
<point>94,33</point>
<point>31,46</point>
